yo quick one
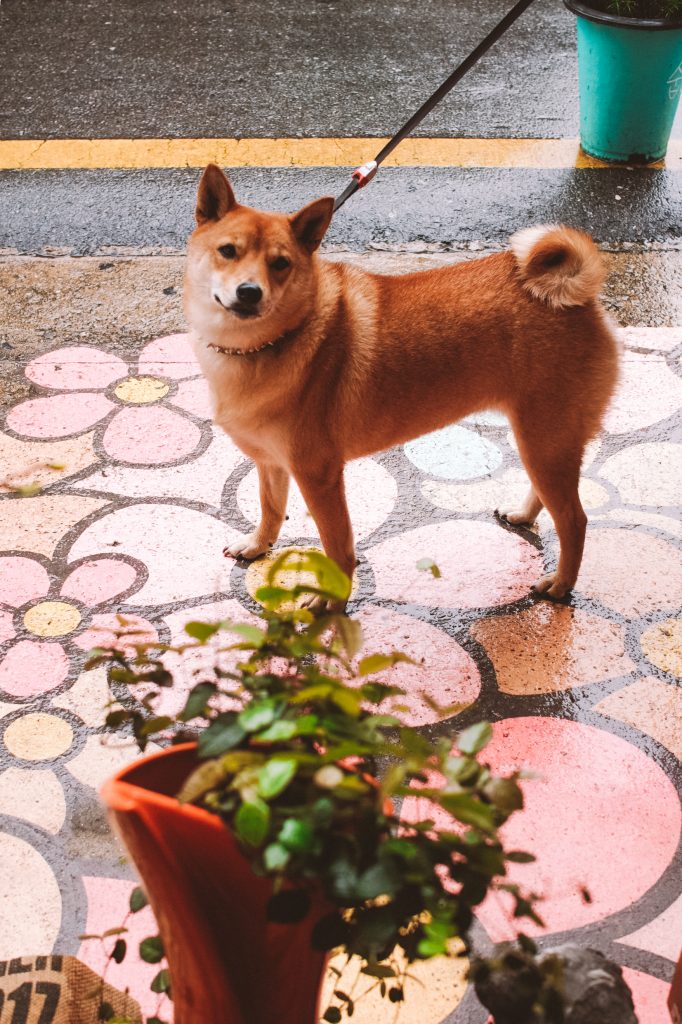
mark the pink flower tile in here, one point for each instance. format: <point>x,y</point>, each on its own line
<point>652,706</point>
<point>141,432</point>
<point>172,356</point>
<point>22,580</point>
<point>182,549</point>
<point>370,489</point>
<point>109,631</point>
<point>200,479</point>
<point>150,434</point>
<point>650,996</point>
<point>58,415</point>
<point>196,664</point>
<point>193,396</point>
<point>647,474</point>
<point>35,461</point>
<point>446,673</point>
<point>38,524</point>
<point>552,647</point>
<point>99,580</point>
<point>31,667</point>
<point>653,339</point>
<point>662,936</point>
<point>108,905</point>
<point>633,573</point>
<point>598,813</point>
<point>6,626</point>
<point>75,368</point>
<point>481,564</point>
<point>648,392</point>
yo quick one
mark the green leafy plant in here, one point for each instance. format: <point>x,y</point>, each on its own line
<point>303,755</point>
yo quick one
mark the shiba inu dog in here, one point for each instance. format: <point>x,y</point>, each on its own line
<point>313,363</point>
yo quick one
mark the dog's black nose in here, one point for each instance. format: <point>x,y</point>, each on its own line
<point>250,294</point>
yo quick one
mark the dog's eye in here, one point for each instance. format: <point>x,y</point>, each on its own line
<point>281,263</point>
<point>227,251</point>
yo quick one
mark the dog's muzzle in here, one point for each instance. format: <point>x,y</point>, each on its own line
<point>242,309</point>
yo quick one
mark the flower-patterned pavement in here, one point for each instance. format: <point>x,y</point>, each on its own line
<point>585,694</point>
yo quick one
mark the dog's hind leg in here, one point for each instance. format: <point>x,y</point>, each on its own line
<point>553,465</point>
<point>274,489</point>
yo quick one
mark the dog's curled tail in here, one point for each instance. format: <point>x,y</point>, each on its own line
<point>559,265</point>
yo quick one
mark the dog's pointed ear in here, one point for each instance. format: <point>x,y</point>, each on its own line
<point>215,197</point>
<point>310,223</point>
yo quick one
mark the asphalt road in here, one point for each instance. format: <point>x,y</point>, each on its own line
<point>76,69</point>
<point>214,68</point>
<point>89,212</point>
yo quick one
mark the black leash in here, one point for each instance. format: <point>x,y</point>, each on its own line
<point>361,176</point>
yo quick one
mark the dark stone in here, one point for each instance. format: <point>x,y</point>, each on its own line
<point>590,988</point>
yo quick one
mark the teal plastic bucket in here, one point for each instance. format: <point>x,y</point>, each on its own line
<point>630,79</point>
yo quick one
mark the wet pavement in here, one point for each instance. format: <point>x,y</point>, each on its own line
<point>97,377</point>
<point>219,69</point>
<point>91,212</point>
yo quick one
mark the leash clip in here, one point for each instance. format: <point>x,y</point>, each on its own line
<point>364,174</point>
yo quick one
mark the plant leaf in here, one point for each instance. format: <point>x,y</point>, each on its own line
<point>138,900</point>
<point>151,950</point>
<point>469,810</point>
<point>208,775</point>
<point>282,730</point>
<point>161,983</point>
<point>258,714</point>
<point>275,776</point>
<point>296,835</point>
<point>275,857</point>
<point>251,822</point>
<point>201,631</point>
<point>475,738</point>
<point>119,951</point>
<point>519,857</point>
<point>222,735</point>
<point>197,700</point>
<point>378,662</point>
<point>428,565</point>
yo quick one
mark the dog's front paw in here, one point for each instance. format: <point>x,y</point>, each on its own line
<point>515,518</point>
<point>552,587</point>
<point>318,606</point>
<point>250,546</point>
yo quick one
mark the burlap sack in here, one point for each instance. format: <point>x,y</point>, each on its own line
<point>58,990</point>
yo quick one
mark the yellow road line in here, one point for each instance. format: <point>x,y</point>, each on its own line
<point>42,154</point>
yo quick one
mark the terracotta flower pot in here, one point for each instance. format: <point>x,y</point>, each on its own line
<point>228,964</point>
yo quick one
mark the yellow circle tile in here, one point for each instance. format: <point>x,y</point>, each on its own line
<point>141,390</point>
<point>257,572</point>
<point>52,618</point>
<point>662,645</point>
<point>38,736</point>
<point>592,494</point>
<point>436,987</point>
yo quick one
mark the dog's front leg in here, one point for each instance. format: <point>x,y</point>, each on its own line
<point>274,489</point>
<point>325,495</point>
